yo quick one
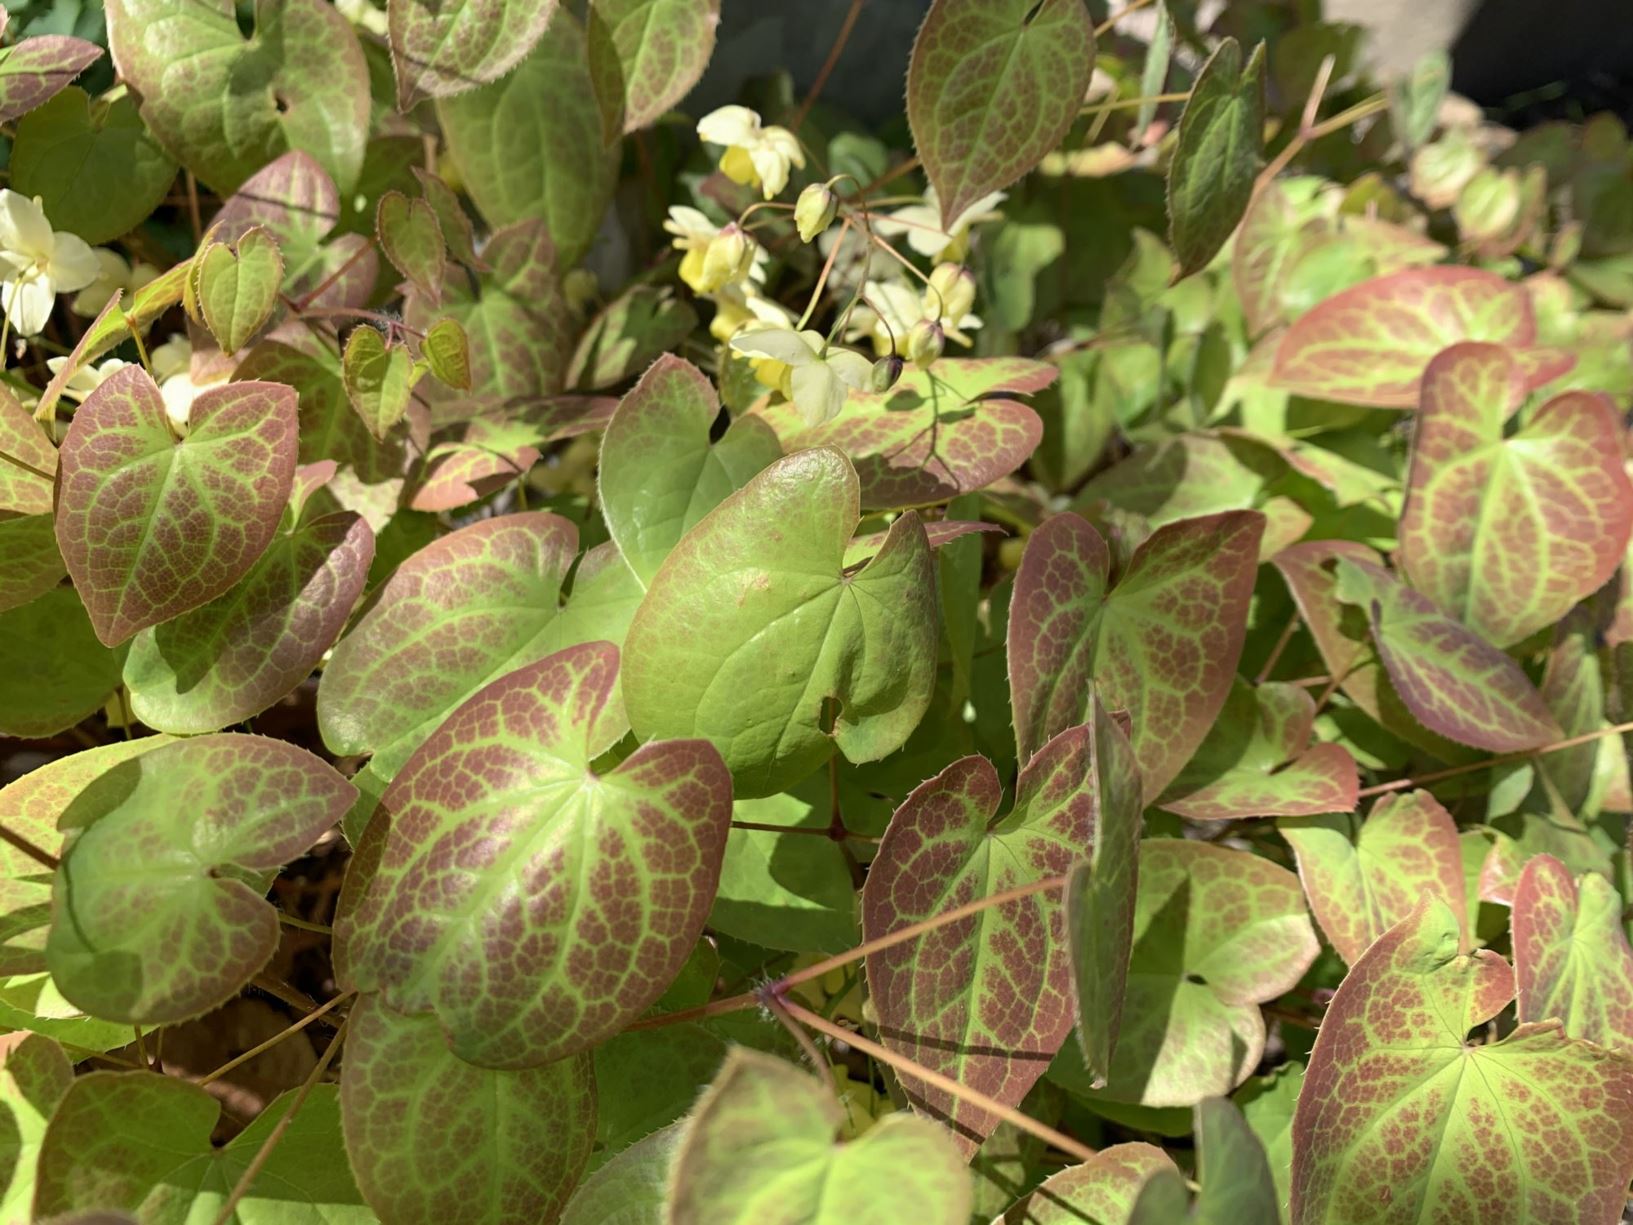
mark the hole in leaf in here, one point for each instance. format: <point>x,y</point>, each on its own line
<point>1196,980</point>
<point>280,104</point>
<point>829,715</point>
<point>1031,13</point>
<point>717,431</point>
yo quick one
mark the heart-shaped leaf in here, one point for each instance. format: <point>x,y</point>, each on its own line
<point>35,69</point>
<point>95,167</point>
<point>1162,644</point>
<point>761,1146</point>
<point>529,145</point>
<point>750,629</point>
<point>962,1000</point>
<point>1371,343</point>
<point>645,56</point>
<point>152,920</point>
<point>412,240</point>
<point>237,286</point>
<point>132,1142</point>
<point>230,659</point>
<point>573,898</point>
<point>151,526</point>
<point>1571,956</point>
<point>1506,533</point>
<point>1216,933</point>
<point>440,49</point>
<point>458,473</point>
<point>631,1188</point>
<point>936,434</point>
<point>1362,878</point>
<point>1101,1189</point>
<point>53,671</point>
<point>992,86</point>
<point>33,563</point>
<point>447,351</point>
<point>1257,761</point>
<point>379,379</point>
<point>524,1136</point>
<point>1402,1119</point>
<point>628,334</point>
<point>1454,682</point>
<point>1211,175</point>
<point>225,105</point>
<point>660,471</point>
<point>28,460</point>
<point>35,1075</point>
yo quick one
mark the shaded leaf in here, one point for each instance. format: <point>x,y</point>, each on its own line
<point>447,351</point>
<point>439,49</point>
<point>1154,74</point>
<point>28,460</point>
<point>631,1188</point>
<point>379,379</point>
<point>35,69</point>
<point>237,286</point>
<point>639,325</point>
<point>645,56</point>
<point>33,564</point>
<point>53,671</point>
<point>1099,1191</point>
<point>411,238</point>
<point>1571,956</point>
<point>1210,178</point>
<point>34,1076</point>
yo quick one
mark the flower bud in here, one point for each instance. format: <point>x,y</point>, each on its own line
<point>728,259</point>
<point>925,342</point>
<point>814,211</point>
<point>951,293</point>
<point>884,374</point>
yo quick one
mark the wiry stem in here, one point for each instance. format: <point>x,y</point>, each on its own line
<point>276,1038</point>
<point>1502,759</point>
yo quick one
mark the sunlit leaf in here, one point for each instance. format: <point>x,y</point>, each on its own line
<point>439,49</point>
<point>1099,1191</point>
<point>34,1076</point>
<point>448,352</point>
<point>237,286</point>
<point>35,69</point>
<point>28,461</point>
<point>411,238</point>
<point>379,379</point>
<point>1571,956</point>
<point>1210,179</point>
<point>645,56</point>
<point>53,670</point>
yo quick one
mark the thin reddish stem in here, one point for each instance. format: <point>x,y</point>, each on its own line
<point>828,65</point>
<point>1502,759</point>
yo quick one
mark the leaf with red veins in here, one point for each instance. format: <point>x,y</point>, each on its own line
<point>1571,956</point>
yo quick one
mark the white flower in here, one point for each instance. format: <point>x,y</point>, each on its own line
<point>114,272</point>
<point>86,379</point>
<point>172,364</point>
<point>737,306</point>
<point>362,13</point>
<point>755,155</point>
<point>174,356</point>
<point>922,225</point>
<point>37,263</point>
<point>888,311</point>
<point>819,377</point>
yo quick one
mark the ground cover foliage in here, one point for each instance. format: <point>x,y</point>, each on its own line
<point>572,655</point>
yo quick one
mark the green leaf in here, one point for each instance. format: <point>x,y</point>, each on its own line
<point>34,1077</point>
<point>1402,1119</point>
<point>1257,761</point>
<point>631,331</point>
<point>787,891</point>
<point>132,1142</point>
<point>566,901</point>
<point>749,630</point>
<point>1362,878</point>
<point>1454,682</point>
<point>35,69</point>
<point>447,350</point>
<point>230,659</point>
<point>992,86</point>
<point>53,671</point>
<point>1099,1191</point>
<point>1216,933</point>
<point>461,612</point>
<point>529,145</point>
<point>1234,1175</point>
<point>295,199</point>
<point>631,1189</point>
<point>1571,956</point>
<point>1507,533</point>
<point>1415,98</point>
<point>440,49</point>
<point>524,1136</point>
<point>152,918</point>
<point>32,1002</point>
<point>1370,343</point>
<point>458,473</point>
<point>1268,1103</point>
<point>151,526</point>
<point>645,56</point>
<point>761,1146</point>
<point>934,435</point>
<point>379,379</point>
<point>962,1000</point>
<point>28,460</point>
<point>1154,75</point>
<point>1162,644</point>
<point>411,238</point>
<point>649,1078</point>
<point>95,167</point>
<point>237,286</point>
<point>1221,133</point>
<point>33,562</point>
<point>223,105</point>
<point>660,471</point>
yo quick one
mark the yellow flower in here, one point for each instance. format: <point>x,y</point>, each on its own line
<point>819,377</point>
<point>738,306</point>
<point>715,256</point>
<point>755,156</point>
<point>922,225</point>
<point>888,312</point>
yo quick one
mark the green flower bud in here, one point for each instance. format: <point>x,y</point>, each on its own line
<point>950,294</point>
<point>814,211</point>
<point>885,373</point>
<point>925,342</point>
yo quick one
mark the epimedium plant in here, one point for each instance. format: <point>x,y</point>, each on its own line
<point>575,661</point>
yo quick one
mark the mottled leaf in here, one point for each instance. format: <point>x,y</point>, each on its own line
<point>749,630</point>
<point>645,56</point>
<point>225,105</point>
<point>1362,878</point>
<point>411,238</point>
<point>992,86</point>
<point>1371,343</point>
<point>539,908</point>
<point>1571,956</point>
<point>761,1147</point>
<point>936,434</point>
<point>440,48</point>
<point>28,460</point>
<point>1216,933</point>
<point>35,69</point>
<point>524,1136</point>
<point>660,470</point>
<point>34,1076</point>
<point>33,563</point>
<point>1210,178</point>
<point>1162,644</point>
<point>631,1188</point>
<point>1507,533</point>
<point>379,378</point>
<point>151,526</point>
<point>53,671</point>
<point>152,919</point>
<point>529,145</point>
<point>639,325</point>
<point>237,286</point>
<point>447,350</point>
<point>1099,1191</point>
<point>230,659</point>
<point>482,462</point>
<point>1402,1119</point>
